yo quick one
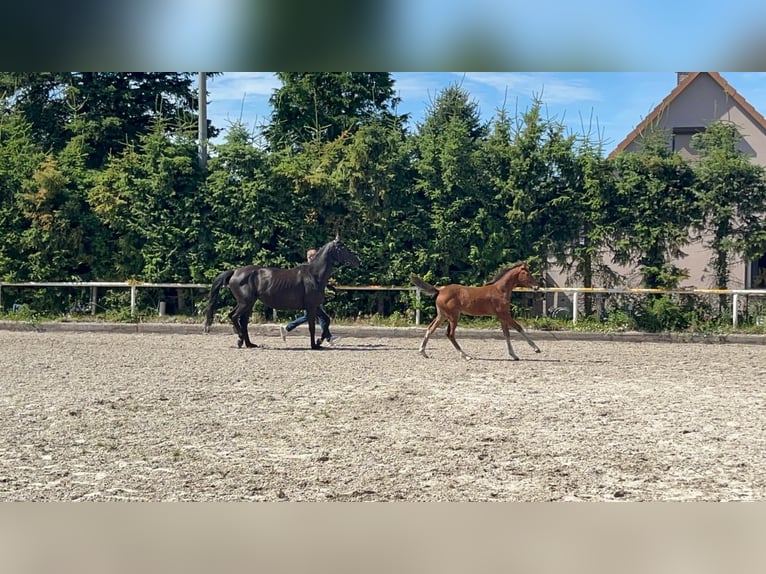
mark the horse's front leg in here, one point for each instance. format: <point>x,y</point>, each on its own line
<point>507,333</point>
<point>520,329</point>
<point>311,315</point>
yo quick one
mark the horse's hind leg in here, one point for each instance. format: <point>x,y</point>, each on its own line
<point>240,316</point>
<point>243,321</point>
<point>451,326</point>
<point>438,320</point>
<point>234,317</point>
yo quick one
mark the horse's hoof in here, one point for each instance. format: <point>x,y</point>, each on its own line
<point>424,354</point>
<point>239,343</point>
<point>467,358</point>
<point>538,351</point>
<point>251,345</point>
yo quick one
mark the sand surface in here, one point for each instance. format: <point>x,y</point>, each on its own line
<point>161,417</point>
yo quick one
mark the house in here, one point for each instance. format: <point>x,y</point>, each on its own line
<point>698,99</point>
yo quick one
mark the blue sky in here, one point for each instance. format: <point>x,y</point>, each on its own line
<point>610,104</point>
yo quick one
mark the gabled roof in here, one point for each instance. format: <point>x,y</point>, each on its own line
<point>680,87</point>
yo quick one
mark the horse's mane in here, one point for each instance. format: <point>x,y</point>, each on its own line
<point>324,247</point>
<point>502,272</point>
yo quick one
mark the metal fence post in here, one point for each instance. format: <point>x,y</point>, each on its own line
<point>574,307</point>
<point>93,299</point>
<point>734,307</point>
<point>132,300</point>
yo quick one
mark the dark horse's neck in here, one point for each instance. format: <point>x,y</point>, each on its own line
<point>321,267</point>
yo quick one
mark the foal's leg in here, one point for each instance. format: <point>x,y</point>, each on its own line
<point>451,326</point>
<point>438,320</point>
<point>507,333</point>
<point>513,323</point>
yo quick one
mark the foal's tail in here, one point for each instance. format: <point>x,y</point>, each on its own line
<point>424,286</point>
<point>221,281</point>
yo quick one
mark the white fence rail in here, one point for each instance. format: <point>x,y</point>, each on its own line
<point>95,285</point>
<point>574,293</point>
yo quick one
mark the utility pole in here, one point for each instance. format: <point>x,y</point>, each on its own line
<point>203,120</point>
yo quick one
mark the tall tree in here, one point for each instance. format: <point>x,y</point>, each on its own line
<point>593,190</point>
<point>732,191</point>
<point>447,148</point>
<point>495,165</point>
<point>652,210</point>
<point>388,225</point>
<point>150,198</point>
<point>321,106</point>
<point>250,219</point>
<point>59,238</point>
<point>20,158</point>
<point>110,109</point>
<point>543,201</point>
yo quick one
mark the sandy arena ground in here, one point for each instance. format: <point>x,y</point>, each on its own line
<point>159,417</point>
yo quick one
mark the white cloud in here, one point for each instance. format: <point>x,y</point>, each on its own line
<point>236,85</point>
<point>551,88</point>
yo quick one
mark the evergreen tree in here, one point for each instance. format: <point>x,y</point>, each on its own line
<point>448,147</point>
<point>63,240</point>
<point>389,223</point>
<point>653,208</point>
<point>732,192</point>
<point>322,106</point>
<point>150,198</point>
<point>250,219</point>
<point>20,159</point>
<point>109,109</point>
<point>543,188</point>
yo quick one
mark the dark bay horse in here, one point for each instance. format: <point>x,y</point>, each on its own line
<point>301,287</point>
<point>492,299</point>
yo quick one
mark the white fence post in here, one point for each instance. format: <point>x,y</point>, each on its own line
<point>734,307</point>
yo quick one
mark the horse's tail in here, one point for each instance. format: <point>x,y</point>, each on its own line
<point>218,283</point>
<point>424,286</point>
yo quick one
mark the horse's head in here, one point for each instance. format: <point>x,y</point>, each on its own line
<point>341,254</point>
<point>525,278</point>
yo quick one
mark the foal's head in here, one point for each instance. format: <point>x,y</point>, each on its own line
<point>524,277</point>
<point>517,275</point>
